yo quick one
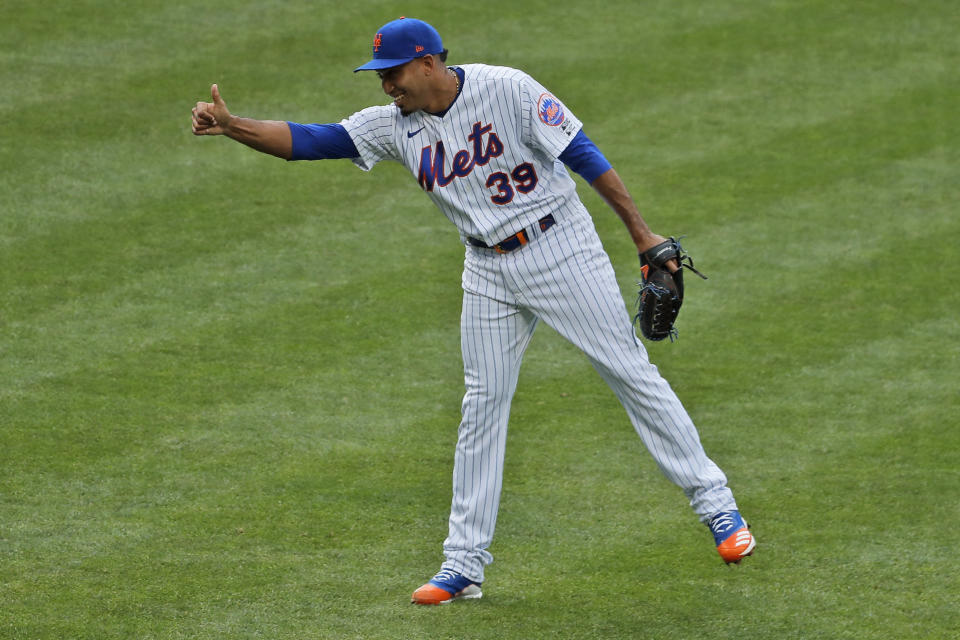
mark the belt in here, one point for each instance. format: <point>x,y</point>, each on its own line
<point>517,240</point>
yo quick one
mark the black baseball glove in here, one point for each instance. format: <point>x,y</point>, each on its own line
<point>661,292</point>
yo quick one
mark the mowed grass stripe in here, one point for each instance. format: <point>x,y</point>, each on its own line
<point>831,279</point>
<point>740,81</point>
<point>721,188</point>
<point>172,292</point>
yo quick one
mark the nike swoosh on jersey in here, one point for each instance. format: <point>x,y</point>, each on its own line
<point>410,134</point>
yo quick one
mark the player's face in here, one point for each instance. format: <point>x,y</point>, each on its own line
<point>406,85</point>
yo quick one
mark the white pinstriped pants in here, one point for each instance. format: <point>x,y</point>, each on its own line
<point>563,277</point>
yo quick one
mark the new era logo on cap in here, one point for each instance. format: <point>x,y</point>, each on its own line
<point>401,41</point>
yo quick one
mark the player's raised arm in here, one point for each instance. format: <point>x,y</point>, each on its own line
<point>214,119</point>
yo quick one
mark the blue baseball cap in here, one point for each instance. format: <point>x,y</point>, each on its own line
<point>401,41</point>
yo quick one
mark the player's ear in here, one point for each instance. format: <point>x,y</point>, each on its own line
<point>429,64</point>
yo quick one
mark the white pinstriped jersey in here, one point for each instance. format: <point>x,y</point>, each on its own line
<point>490,162</point>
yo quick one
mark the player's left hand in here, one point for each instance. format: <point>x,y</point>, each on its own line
<point>654,240</point>
<point>661,292</point>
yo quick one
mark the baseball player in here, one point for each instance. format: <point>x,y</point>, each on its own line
<point>491,147</point>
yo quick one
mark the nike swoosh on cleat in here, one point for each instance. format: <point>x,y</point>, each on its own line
<point>410,134</point>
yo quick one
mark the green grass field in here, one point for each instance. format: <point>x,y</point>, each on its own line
<point>230,386</point>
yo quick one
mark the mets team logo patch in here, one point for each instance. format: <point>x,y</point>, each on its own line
<point>550,110</point>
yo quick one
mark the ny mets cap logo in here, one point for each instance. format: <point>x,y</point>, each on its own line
<point>550,110</point>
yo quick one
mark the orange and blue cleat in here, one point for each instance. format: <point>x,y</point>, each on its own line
<point>732,536</point>
<point>445,587</point>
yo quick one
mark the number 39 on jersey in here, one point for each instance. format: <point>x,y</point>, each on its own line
<point>522,178</point>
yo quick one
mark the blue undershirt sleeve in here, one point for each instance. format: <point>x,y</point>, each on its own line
<point>320,142</point>
<point>583,157</point>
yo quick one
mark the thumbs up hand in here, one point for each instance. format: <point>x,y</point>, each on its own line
<point>211,118</point>
<point>267,136</point>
